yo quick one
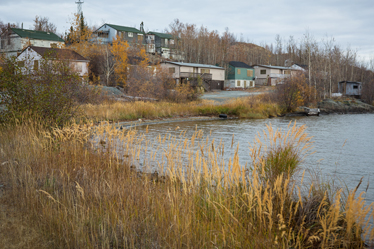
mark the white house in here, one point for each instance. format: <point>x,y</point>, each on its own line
<point>213,76</point>
<point>15,40</point>
<point>273,75</point>
<point>30,59</point>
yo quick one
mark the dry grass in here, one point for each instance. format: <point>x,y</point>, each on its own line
<point>251,107</point>
<point>76,187</point>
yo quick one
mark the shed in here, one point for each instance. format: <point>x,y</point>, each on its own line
<point>350,88</point>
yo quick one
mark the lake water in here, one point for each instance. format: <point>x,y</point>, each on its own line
<point>343,144</point>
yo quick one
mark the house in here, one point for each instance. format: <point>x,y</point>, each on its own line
<point>212,77</point>
<point>350,88</point>
<point>107,32</point>
<point>240,75</point>
<point>300,67</point>
<point>31,58</point>
<point>15,40</point>
<point>160,43</point>
<point>272,75</point>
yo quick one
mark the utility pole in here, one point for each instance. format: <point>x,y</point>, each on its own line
<point>79,7</point>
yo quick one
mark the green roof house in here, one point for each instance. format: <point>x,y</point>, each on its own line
<point>107,33</point>
<point>14,40</point>
<point>162,44</point>
<point>240,75</point>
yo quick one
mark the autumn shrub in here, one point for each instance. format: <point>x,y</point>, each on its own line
<point>51,92</point>
<point>293,92</point>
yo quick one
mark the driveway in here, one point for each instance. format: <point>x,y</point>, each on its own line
<point>222,96</point>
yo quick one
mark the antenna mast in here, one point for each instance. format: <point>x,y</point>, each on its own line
<point>79,7</point>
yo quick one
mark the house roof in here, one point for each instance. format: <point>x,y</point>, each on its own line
<point>301,65</point>
<point>239,64</point>
<point>123,28</point>
<point>39,35</point>
<point>58,53</point>
<point>350,82</point>
<point>275,67</point>
<point>182,64</point>
<point>162,35</point>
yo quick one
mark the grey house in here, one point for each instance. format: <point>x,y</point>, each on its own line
<point>107,32</point>
<point>161,43</point>
<point>350,88</point>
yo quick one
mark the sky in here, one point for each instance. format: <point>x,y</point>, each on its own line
<point>349,22</point>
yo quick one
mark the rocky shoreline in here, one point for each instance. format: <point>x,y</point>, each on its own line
<point>347,106</point>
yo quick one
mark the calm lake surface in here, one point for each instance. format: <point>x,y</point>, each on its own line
<point>343,144</point>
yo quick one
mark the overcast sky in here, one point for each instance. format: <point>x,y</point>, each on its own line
<point>350,22</point>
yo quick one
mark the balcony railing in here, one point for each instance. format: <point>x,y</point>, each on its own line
<point>207,76</point>
<point>276,75</point>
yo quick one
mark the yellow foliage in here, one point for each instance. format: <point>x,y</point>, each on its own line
<point>119,51</point>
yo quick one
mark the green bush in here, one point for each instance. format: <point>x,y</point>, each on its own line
<point>51,92</point>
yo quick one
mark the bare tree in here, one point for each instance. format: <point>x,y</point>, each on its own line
<point>43,24</point>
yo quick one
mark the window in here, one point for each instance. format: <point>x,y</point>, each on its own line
<point>78,67</point>
<point>287,72</point>
<point>171,69</point>
<point>130,34</point>
<point>171,42</point>
<point>2,44</point>
<point>103,34</point>
<point>205,70</point>
<point>238,71</point>
<point>238,83</point>
<point>36,65</point>
<point>263,71</point>
<point>140,38</point>
<point>249,73</point>
<point>355,87</point>
<point>21,63</point>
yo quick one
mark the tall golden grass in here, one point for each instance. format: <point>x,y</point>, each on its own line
<point>249,107</point>
<point>78,187</point>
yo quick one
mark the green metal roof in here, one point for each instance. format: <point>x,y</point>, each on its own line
<point>162,35</point>
<point>40,35</point>
<point>124,28</point>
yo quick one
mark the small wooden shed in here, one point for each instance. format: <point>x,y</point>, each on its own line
<point>350,88</point>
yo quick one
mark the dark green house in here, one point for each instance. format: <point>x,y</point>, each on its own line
<point>240,75</point>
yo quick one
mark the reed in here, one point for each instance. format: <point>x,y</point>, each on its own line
<point>79,187</point>
<point>249,107</point>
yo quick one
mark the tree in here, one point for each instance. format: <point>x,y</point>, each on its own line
<point>43,24</point>
<point>50,92</point>
<point>119,50</point>
<point>293,92</point>
<point>79,31</point>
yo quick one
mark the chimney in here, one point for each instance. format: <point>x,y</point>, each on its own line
<point>142,27</point>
